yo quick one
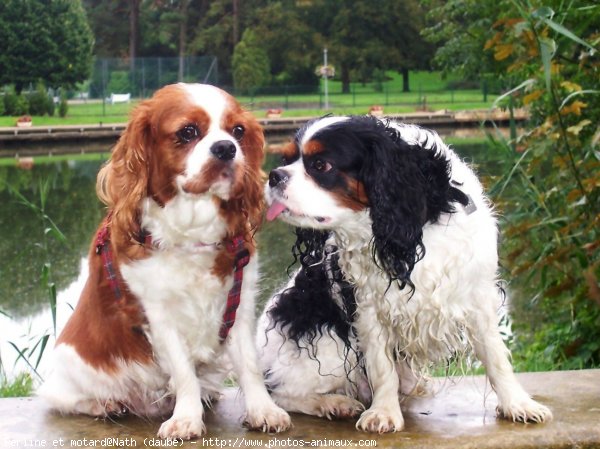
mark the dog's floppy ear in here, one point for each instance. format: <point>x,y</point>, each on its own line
<point>122,182</point>
<point>407,186</point>
<point>395,187</point>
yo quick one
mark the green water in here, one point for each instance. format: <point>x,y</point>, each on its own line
<point>73,206</point>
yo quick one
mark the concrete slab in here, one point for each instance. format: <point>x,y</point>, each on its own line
<point>460,415</point>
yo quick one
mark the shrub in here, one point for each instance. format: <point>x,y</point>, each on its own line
<point>119,83</point>
<point>378,80</point>
<point>15,104</point>
<point>250,63</point>
<point>63,106</point>
<point>39,101</point>
<point>50,106</point>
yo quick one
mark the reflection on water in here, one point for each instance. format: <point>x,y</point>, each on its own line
<point>72,204</point>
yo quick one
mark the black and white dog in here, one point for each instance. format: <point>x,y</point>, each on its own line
<point>397,244</point>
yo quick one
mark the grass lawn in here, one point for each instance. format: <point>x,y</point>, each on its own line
<point>427,89</point>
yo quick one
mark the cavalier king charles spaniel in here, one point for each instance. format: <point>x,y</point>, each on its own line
<point>397,246</point>
<point>168,307</point>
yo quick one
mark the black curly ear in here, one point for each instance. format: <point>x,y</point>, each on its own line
<point>407,186</point>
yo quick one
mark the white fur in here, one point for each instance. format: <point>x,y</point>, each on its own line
<point>319,125</point>
<point>453,307</point>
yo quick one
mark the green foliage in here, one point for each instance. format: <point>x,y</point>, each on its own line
<point>20,386</point>
<point>460,29</point>
<point>2,107</point>
<point>40,103</point>
<point>362,38</point>
<point>294,50</point>
<point>14,104</point>
<point>550,198</point>
<point>361,35</point>
<point>118,83</point>
<point>63,106</point>
<point>250,63</point>
<point>47,40</point>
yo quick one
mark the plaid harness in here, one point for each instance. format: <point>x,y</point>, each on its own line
<point>241,258</point>
<point>103,250</point>
<point>235,247</point>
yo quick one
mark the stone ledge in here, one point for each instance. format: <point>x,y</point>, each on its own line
<point>460,415</point>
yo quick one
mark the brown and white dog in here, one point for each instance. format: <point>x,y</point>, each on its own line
<point>398,249</point>
<point>158,325</point>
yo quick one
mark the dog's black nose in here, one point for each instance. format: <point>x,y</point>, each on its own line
<point>223,150</point>
<point>278,176</point>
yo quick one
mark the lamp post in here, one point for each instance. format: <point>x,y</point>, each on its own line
<point>325,76</point>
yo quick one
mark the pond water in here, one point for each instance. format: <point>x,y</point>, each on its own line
<point>66,189</point>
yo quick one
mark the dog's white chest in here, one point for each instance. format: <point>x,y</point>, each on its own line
<point>181,296</point>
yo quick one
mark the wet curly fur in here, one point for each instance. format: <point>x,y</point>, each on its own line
<point>413,241</point>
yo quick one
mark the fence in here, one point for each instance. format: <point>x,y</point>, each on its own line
<point>365,96</point>
<point>117,83</point>
<point>140,77</point>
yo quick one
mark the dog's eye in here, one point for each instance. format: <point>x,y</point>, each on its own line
<point>188,133</point>
<point>238,132</point>
<point>321,166</point>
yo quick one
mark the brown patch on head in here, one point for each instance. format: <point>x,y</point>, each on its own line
<point>312,147</point>
<point>243,211</point>
<point>147,158</point>
<point>353,195</point>
<point>174,112</point>
<point>289,152</point>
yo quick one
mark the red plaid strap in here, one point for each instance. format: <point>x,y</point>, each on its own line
<point>103,249</point>
<point>242,257</point>
<point>236,247</point>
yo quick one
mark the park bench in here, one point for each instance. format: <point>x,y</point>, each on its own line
<point>119,98</point>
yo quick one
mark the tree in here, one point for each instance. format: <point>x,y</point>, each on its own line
<point>459,29</point>
<point>362,39</point>
<point>294,50</point>
<point>216,31</point>
<point>47,40</point>
<point>250,63</point>
<point>110,23</point>
<point>134,18</point>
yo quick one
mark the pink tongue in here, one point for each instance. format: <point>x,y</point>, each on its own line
<point>275,210</point>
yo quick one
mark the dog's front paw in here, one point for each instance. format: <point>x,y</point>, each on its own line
<point>526,410</point>
<point>339,406</point>
<point>381,420</point>
<point>268,419</point>
<point>184,427</point>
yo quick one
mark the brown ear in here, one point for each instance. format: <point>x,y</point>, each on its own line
<point>254,177</point>
<point>122,182</point>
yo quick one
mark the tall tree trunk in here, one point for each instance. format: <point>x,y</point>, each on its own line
<point>345,79</point>
<point>236,24</point>
<point>134,15</point>
<point>405,84</point>
<point>183,9</point>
